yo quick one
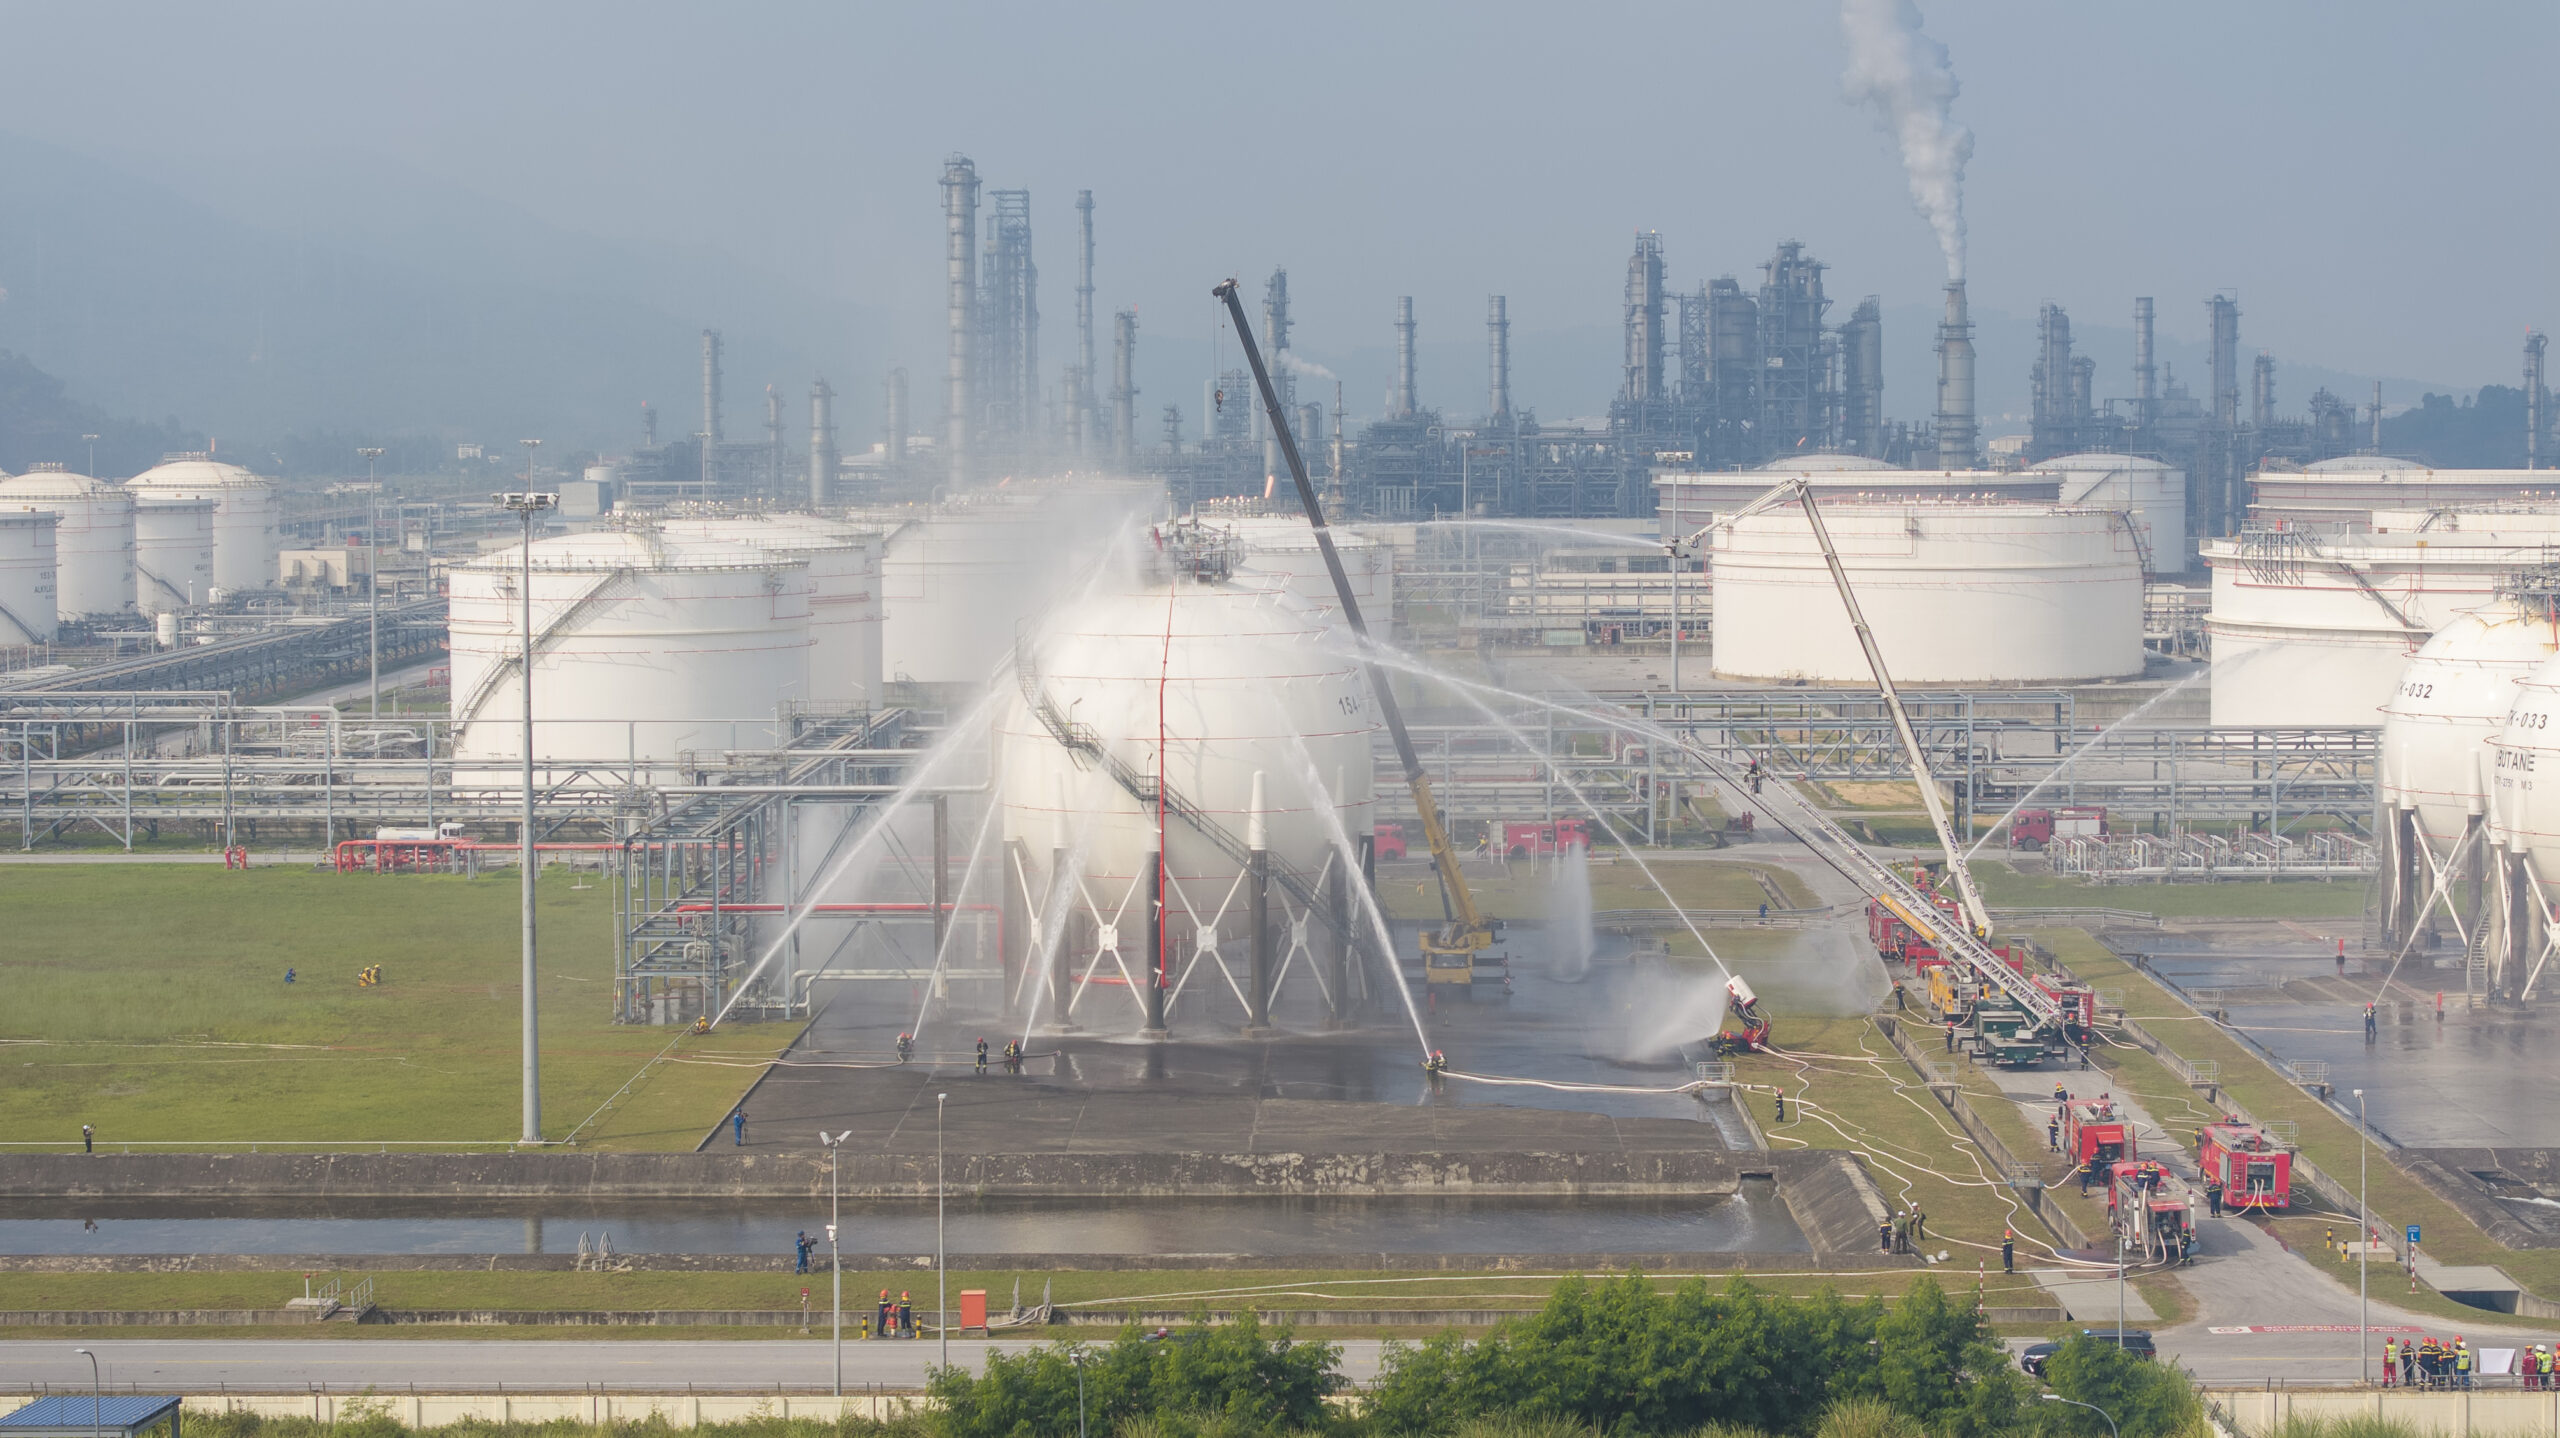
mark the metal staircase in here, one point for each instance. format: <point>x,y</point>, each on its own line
<point>565,622</point>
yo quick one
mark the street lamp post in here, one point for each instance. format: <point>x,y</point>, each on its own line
<point>2092,1407</point>
<point>835,1253</point>
<point>2364,1252</point>
<point>1674,548</point>
<point>95,1401</point>
<point>373,582</point>
<point>941,1271</point>
<point>526,505</point>
<point>1076,1356</point>
<point>2119,1290</point>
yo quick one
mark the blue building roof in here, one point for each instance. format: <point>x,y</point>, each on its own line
<point>116,1412</point>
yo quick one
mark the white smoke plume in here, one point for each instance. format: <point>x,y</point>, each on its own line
<point>1290,361</point>
<point>1904,75</point>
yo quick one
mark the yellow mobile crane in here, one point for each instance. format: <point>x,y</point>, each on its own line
<point>1449,955</point>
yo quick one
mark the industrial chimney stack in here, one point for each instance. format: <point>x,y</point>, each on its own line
<point>822,443</point>
<point>1088,416</point>
<point>1955,383</point>
<point>2146,376</point>
<point>1405,405</point>
<point>710,407</point>
<point>2536,399</point>
<point>1124,391</point>
<point>1497,325</point>
<point>894,409</point>
<point>960,230</point>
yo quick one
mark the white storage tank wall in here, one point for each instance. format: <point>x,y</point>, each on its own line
<point>2155,494</point>
<point>1244,678</point>
<point>844,605</point>
<point>2441,725</point>
<point>1285,548</point>
<point>647,645</point>
<point>93,543</point>
<point>2308,629</point>
<point>172,553</point>
<point>1955,593</point>
<point>26,578</point>
<point>959,581</point>
<point>1686,501</point>
<point>245,521</point>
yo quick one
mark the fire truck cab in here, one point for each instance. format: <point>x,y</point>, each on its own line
<point>2255,1171</point>
<point>2095,1131</point>
<point>1386,841</point>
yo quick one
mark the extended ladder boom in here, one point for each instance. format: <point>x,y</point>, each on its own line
<point>1855,863</point>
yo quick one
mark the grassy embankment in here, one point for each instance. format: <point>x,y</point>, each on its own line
<point>150,1001</point>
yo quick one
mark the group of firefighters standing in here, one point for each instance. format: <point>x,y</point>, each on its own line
<point>2431,1362</point>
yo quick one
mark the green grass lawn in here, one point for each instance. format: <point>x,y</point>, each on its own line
<point>1157,1289</point>
<point>1615,884</point>
<point>150,1001</point>
<point>2286,899</point>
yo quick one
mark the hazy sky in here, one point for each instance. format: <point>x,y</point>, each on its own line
<point>2363,174</point>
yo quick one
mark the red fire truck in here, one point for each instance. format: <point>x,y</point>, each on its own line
<point>2079,1007</point>
<point>2255,1171</point>
<point>2035,828</point>
<point>1386,841</point>
<point>2152,1208</point>
<point>2095,1131</point>
<point>1519,841</point>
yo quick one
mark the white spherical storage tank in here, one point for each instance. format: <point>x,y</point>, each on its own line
<point>26,578</point>
<point>93,544</point>
<point>2315,628</point>
<point>645,645</point>
<point>2155,494</point>
<point>1284,546</point>
<point>173,553</point>
<point>2524,785</point>
<point>2441,724</point>
<point>1956,593</point>
<point>246,516</point>
<point>844,603</point>
<point>1220,690</point>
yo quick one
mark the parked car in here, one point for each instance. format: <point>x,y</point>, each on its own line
<point>2137,1341</point>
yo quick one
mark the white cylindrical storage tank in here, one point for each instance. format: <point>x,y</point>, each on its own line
<point>1956,593</point>
<point>1284,546</point>
<point>2315,628</point>
<point>958,583</point>
<point>92,545</point>
<point>27,605</point>
<point>246,517</point>
<point>172,553</point>
<point>2441,724</point>
<point>646,645</point>
<point>1207,685</point>
<point>844,604</point>
<point>2155,494</point>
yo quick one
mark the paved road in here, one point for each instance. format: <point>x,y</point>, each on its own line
<point>199,1365</point>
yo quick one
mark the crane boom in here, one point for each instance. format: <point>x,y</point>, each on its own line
<point>1466,932</point>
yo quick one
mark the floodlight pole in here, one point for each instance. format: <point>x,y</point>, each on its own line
<point>941,1268</point>
<point>2092,1407</point>
<point>835,1255</point>
<point>373,583</point>
<point>526,505</point>
<point>95,1430</point>
<point>2364,1251</point>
